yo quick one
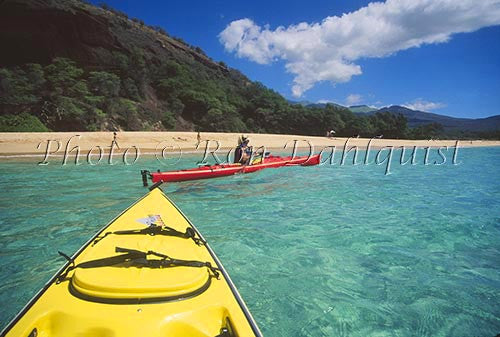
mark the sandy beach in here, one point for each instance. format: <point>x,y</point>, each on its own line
<point>35,144</point>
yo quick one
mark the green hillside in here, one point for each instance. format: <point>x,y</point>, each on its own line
<point>67,65</point>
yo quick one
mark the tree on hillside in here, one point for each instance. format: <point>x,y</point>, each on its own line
<point>103,83</point>
<point>21,86</point>
<point>427,131</point>
<point>62,74</point>
<point>390,125</point>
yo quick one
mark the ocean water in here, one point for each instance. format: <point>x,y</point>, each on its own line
<point>318,251</point>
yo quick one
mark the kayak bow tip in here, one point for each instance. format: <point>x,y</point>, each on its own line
<point>155,185</point>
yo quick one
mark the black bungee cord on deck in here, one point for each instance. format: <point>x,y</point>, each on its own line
<point>133,257</point>
<point>157,230</point>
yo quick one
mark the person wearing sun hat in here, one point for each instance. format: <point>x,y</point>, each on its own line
<point>243,152</point>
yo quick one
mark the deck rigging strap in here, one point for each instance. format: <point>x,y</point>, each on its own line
<point>136,258</point>
<point>157,230</point>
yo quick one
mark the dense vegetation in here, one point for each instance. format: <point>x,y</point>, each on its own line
<point>62,96</point>
<point>156,82</point>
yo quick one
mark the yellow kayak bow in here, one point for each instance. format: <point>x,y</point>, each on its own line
<point>147,273</point>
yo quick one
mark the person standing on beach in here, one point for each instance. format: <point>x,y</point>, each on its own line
<point>114,142</point>
<point>198,138</point>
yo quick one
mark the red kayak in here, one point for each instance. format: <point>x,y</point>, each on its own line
<point>222,170</point>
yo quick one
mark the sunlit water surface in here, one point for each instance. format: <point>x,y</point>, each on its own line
<point>317,251</point>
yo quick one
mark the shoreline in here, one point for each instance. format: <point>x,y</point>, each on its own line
<point>25,145</point>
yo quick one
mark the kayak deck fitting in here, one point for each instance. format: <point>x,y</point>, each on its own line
<point>148,273</point>
<point>223,170</point>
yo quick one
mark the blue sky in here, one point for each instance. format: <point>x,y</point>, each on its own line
<point>459,77</point>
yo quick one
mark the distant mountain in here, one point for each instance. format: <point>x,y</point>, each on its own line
<point>362,109</point>
<point>417,118</point>
<point>331,103</point>
<point>315,105</point>
<point>303,103</point>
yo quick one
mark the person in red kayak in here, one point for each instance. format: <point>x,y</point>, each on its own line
<point>243,152</point>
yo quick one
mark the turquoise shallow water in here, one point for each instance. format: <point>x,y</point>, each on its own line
<point>318,251</point>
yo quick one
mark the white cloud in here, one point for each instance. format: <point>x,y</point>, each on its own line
<point>422,105</point>
<point>353,99</point>
<point>327,51</point>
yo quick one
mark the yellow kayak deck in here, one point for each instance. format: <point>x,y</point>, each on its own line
<point>148,273</point>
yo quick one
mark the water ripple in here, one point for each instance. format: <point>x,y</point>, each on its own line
<point>320,251</point>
